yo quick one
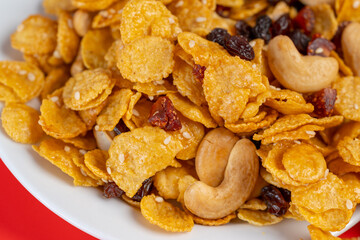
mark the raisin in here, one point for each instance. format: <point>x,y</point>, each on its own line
<point>320,47</point>
<point>121,128</point>
<point>300,40</point>
<point>305,20</point>
<point>337,37</point>
<point>282,26</point>
<point>223,11</point>
<point>218,35</point>
<point>275,201</point>
<point>323,101</point>
<point>239,46</point>
<point>243,29</point>
<point>163,115</point>
<point>144,190</point>
<point>199,72</point>
<point>111,190</point>
<point>286,194</point>
<point>262,28</point>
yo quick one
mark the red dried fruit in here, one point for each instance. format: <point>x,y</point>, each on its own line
<point>320,47</point>
<point>239,46</point>
<point>144,190</point>
<point>323,101</point>
<point>223,11</point>
<point>111,190</point>
<point>337,37</point>
<point>163,115</point>
<point>305,20</point>
<point>199,72</point>
<point>275,201</point>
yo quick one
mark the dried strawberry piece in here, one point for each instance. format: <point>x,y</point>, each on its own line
<point>323,101</point>
<point>277,204</point>
<point>199,72</point>
<point>163,115</point>
<point>337,37</point>
<point>305,20</point>
<point>320,47</point>
<point>111,190</point>
<point>223,11</point>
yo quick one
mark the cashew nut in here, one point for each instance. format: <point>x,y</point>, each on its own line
<point>350,42</point>
<point>82,22</point>
<point>213,154</point>
<point>239,179</point>
<point>316,2</point>
<point>300,73</point>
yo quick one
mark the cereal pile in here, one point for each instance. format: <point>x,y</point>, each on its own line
<point>230,109</point>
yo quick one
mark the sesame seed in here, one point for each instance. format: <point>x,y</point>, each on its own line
<point>160,91</point>
<point>159,199</point>
<point>112,11</point>
<point>311,133</point>
<point>319,50</point>
<point>40,122</point>
<point>83,172</point>
<point>171,20</point>
<point>297,142</point>
<point>275,88</point>
<point>31,77</point>
<point>167,140</point>
<point>357,190</point>
<point>254,66</point>
<point>77,95</point>
<point>135,113</point>
<point>82,151</point>
<point>200,19</point>
<point>56,54</point>
<point>108,169</point>
<point>349,204</point>
<point>179,4</point>
<point>252,43</point>
<point>204,2</point>
<point>356,106</point>
<point>22,72</point>
<point>104,180</point>
<point>159,82</point>
<point>191,43</point>
<point>54,98</point>
<point>151,98</point>
<point>97,128</point>
<point>326,173</point>
<point>70,23</point>
<point>67,149</point>
<point>186,135</point>
<point>356,4</point>
<point>121,157</point>
<point>104,14</point>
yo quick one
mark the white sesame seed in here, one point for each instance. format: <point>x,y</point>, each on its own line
<point>151,98</point>
<point>104,180</point>
<point>349,204</point>
<point>135,113</point>
<point>167,140</point>
<point>254,66</point>
<point>319,50</point>
<point>204,2</point>
<point>121,157</point>
<point>31,77</point>
<point>40,122</point>
<point>179,4</point>
<point>326,173</point>
<point>159,199</point>
<point>22,72</point>
<point>160,91</point>
<point>356,106</point>
<point>186,135</point>
<point>252,43</point>
<point>311,133</point>
<point>83,172</point>
<point>56,54</point>
<point>191,43</point>
<point>297,142</point>
<point>357,190</point>
<point>171,20</point>
<point>67,149</point>
<point>108,169</point>
<point>112,11</point>
<point>200,19</point>
<point>77,95</point>
<point>54,98</point>
<point>104,14</point>
<point>159,82</point>
<point>82,151</point>
<point>356,4</point>
<point>70,23</point>
<point>97,128</point>
<point>275,88</point>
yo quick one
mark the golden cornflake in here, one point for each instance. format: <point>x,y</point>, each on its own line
<point>211,222</point>
<point>325,20</point>
<point>109,16</point>
<point>55,6</point>
<point>85,143</point>
<point>318,234</point>
<point>339,167</point>
<point>349,150</point>
<point>258,218</point>
<point>95,161</point>
<point>254,204</point>
<point>156,88</point>
<point>90,115</point>
<point>348,10</point>
<point>133,100</point>
<point>230,3</point>
<point>142,107</point>
<point>250,8</point>
<point>92,5</point>
<point>54,80</point>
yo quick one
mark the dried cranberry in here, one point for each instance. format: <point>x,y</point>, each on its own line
<point>163,115</point>
<point>111,190</point>
<point>323,101</point>
<point>243,29</point>
<point>144,190</point>
<point>121,128</point>
<point>320,47</point>
<point>262,28</point>
<point>282,26</point>
<point>275,201</point>
<point>199,72</point>
<point>337,37</point>
<point>223,11</point>
<point>218,35</point>
<point>300,40</point>
<point>305,20</point>
<point>239,46</point>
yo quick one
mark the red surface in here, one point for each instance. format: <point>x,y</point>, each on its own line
<point>23,217</point>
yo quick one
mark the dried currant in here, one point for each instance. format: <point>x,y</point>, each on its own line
<point>323,101</point>
<point>282,26</point>
<point>262,28</point>
<point>163,115</point>
<point>144,190</point>
<point>275,201</point>
<point>223,11</point>
<point>305,20</point>
<point>243,29</point>
<point>337,37</point>
<point>121,128</point>
<point>320,47</point>
<point>300,40</point>
<point>111,190</point>
<point>218,35</point>
<point>199,72</point>
<point>239,46</point>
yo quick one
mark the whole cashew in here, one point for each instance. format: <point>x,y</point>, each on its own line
<point>300,73</point>
<point>82,22</point>
<point>316,2</point>
<point>350,42</point>
<point>239,179</point>
<point>213,154</point>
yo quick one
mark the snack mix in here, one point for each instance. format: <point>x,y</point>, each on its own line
<point>230,109</point>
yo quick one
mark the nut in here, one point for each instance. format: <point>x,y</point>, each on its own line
<point>351,46</point>
<point>103,139</point>
<point>316,2</point>
<point>239,180</point>
<point>82,22</point>
<point>300,73</point>
<point>213,154</point>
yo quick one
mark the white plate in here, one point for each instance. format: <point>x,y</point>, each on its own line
<point>85,208</point>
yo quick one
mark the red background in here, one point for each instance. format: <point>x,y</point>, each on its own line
<point>23,217</point>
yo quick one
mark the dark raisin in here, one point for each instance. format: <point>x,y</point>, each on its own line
<point>320,47</point>
<point>297,5</point>
<point>144,190</point>
<point>243,29</point>
<point>218,35</point>
<point>199,72</point>
<point>305,20</point>
<point>275,201</point>
<point>223,11</point>
<point>163,115</point>
<point>323,101</point>
<point>286,194</point>
<point>300,40</point>
<point>262,28</point>
<point>337,37</point>
<point>282,26</point>
<point>239,46</point>
<point>111,190</point>
<point>121,128</point>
